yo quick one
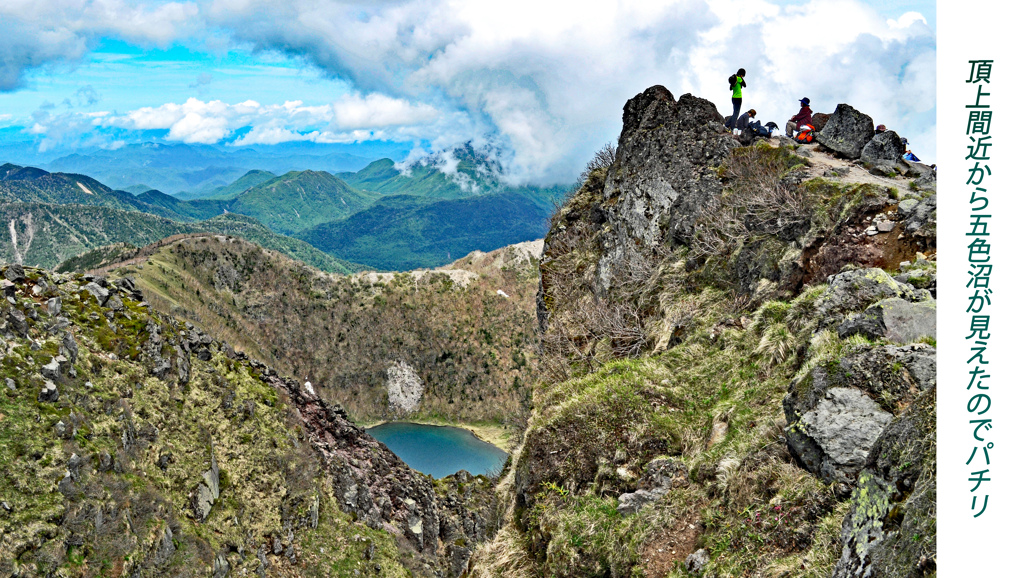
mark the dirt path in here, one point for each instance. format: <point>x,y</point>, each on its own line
<point>823,164</point>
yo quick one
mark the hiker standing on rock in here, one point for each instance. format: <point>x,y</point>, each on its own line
<point>801,118</point>
<point>737,84</point>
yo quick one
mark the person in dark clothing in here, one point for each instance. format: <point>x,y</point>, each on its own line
<point>801,118</point>
<point>738,84</point>
<point>745,119</point>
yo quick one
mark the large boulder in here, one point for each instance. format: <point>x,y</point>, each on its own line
<point>895,319</point>
<point>662,177</point>
<point>920,222</point>
<point>837,410</point>
<point>819,120</point>
<point>890,530</point>
<point>17,321</point>
<point>100,293</point>
<point>833,437</point>
<point>853,291</point>
<point>886,146</point>
<point>15,273</point>
<point>924,176</point>
<point>847,132</point>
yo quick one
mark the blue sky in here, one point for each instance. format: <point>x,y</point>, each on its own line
<point>542,84</point>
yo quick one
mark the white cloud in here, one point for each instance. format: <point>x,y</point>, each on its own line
<point>376,111</point>
<point>55,33</point>
<point>209,122</point>
<point>547,80</point>
<point>542,81</point>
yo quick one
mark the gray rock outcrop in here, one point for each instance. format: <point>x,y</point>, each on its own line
<point>920,221</point>
<point>853,291</point>
<point>656,481</point>
<point>100,293</point>
<point>836,412</point>
<point>843,425</point>
<point>890,530</point>
<point>206,492</point>
<point>17,321</point>
<point>49,392</point>
<point>885,146</point>
<point>15,273</point>
<point>662,177</point>
<point>847,132</point>
<point>895,319</point>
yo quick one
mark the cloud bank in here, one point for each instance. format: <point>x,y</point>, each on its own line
<point>541,82</point>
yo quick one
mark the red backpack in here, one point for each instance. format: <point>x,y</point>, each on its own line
<point>806,136</point>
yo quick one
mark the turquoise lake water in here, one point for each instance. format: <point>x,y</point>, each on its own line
<point>439,450</point>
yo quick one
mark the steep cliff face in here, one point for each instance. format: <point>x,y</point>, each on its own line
<point>137,445</point>
<point>732,347</point>
<point>662,179</point>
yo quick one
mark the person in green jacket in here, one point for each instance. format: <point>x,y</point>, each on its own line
<point>738,84</point>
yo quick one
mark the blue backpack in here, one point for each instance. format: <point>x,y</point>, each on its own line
<point>760,130</point>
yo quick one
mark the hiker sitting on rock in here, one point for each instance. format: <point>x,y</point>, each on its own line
<point>801,118</point>
<point>745,119</point>
<point>880,129</point>
<point>908,155</point>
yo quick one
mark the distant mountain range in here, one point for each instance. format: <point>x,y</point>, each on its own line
<point>248,180</point>
<point>385,216</point>
<point>45,235</point>
<point>200,169</point>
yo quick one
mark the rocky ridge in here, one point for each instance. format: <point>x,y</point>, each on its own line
<point>762,318</point>
<point>139,445</point>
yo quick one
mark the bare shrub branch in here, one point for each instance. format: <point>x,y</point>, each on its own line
<point>603,158</point>
<point>759,201</point>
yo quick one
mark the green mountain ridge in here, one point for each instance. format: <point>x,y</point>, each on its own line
<point>299,200</point>
<point>248,180</point>
<point>381,229</point>
<point>286,204</point>
<point>40,234</point>
<point>402,232</point>
<point>420,180</point>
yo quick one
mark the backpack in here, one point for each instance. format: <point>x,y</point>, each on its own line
<point>806,136</point>
<point>732,81</point>
<point>759,130</point>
